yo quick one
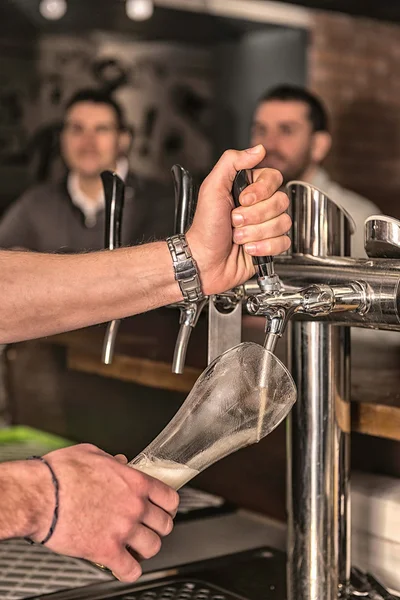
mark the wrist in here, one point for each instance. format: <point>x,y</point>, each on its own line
<point>185,268</point>
<point>28,487</point>
<point>199,255</point>
<point>40,504</point>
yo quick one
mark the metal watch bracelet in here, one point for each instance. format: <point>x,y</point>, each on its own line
<point>185,268</point>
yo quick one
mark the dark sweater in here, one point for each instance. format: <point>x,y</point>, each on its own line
<point>45,219</point>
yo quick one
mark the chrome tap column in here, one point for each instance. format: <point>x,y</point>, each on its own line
<point>319,425</point>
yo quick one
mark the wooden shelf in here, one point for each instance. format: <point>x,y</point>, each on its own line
<point>142,371</point>
<point>376,419</point>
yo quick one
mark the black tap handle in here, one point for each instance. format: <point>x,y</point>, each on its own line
<point>242,180</point>
<point>185,201</point>
<point>114,194</point>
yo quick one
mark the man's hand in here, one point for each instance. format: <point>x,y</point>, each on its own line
<point>105,506</point>
<point>259,225</point>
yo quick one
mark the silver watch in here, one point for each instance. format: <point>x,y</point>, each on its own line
<point>185,267</point>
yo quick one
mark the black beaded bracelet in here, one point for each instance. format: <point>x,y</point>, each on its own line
<point>57,496</point>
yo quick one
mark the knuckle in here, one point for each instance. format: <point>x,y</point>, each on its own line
<point>287,243</point>
<point>286,222</point>
<point>204,187</point>
<point>229,154</point>
<point>168,525</point>
<point>88,447</point>
<point>152,548</point>
<point>268,248</point>
<point>138,507</point>
<point>277,175</point>
<point>134,573</point>
<point>283,201</point>
<point>125,571</point>
<point>141,481</point>
<point>174,499</point>
<point>156,545</point>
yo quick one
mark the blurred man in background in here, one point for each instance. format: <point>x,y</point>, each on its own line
<point>69,215</point>
<point>292,125</point>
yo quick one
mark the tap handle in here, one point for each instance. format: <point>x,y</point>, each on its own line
<point>382,237</point>
<point>184,199</point>
<point>263,264</point>
<point>114,194</point>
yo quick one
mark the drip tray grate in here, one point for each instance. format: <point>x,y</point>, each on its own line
<point>27,570</point>
<point>176,590</point>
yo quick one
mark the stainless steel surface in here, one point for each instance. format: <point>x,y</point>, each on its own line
<point>379,277</point>
<point>318,466</point>
<point>110,337</point>
<point>314,300</point>
<point>364,585</point>
<point>320,227</point>
<point>382,237</point>
<point>189,315</point>
<point>318,440</point>
<point>224,325</point>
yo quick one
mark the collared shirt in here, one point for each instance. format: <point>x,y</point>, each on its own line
<point>45,219</point>
<point>91,207</point>
<point>359,208</point>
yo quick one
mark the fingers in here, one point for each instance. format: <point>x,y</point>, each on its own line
<point>164,497</point>
<point>123,566</point>
<point>265,183</point>
<point>144,542</point>
<point>268,247</point>
<point>264,210</point>
<point>263,231</point>
<point>157,519</point>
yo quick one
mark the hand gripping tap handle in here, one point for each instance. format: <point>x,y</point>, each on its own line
<point>266,276</point>
<point>114,195</point>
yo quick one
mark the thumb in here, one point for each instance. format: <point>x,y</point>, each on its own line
<point>222,176</point>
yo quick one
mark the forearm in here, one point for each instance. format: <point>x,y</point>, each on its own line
<point>97,287</point>
<point>25,487</point>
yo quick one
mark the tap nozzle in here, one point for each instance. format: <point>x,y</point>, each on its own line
<point>189,315</point>
<point>275,326</point>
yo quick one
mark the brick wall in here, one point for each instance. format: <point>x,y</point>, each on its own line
<point>354,65</point>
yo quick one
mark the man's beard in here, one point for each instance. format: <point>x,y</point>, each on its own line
<point>290,170</point>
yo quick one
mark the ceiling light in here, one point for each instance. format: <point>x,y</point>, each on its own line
<point>53,9</point>
<point>139,10</point>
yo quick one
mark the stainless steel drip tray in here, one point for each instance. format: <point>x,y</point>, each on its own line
<point>169,589</point>
<point>258,574</point>
<point>254,574</point>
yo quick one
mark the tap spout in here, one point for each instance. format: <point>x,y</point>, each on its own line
<point>189,315</point>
